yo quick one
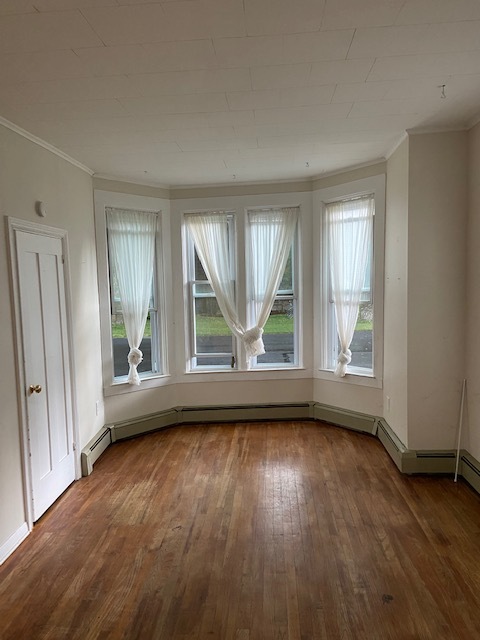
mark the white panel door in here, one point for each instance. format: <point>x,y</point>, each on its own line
<point>46,367</point>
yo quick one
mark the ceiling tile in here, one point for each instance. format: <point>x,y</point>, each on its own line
<point>426,11</point>
<point>173,56</point>
<point>92,155</point>
<point>280,76</point>
<point>248,52</point>
<point>115,60</point>
<point>196,120</point>
<point>297,128</point>
<point>305,96</point>
<point>119,140</point>
<point>146,23</point>
<point>377,42</point>
<point>197,103</point>
<point>208,133</point>
<point>71,110</point>
<point>275,142</point>
<point>291,115</point>
<point>313,47</point>
<point>360,91</point>
<point>338,71</point>
<point>412,39</point>
<point>184,82</point>
<point>209,145</point>
<point>32,32</point>
<point>206,18</point>
<point>133,24</point>
<point>149,58</point>
<point>342,14</point>
<point>456,36</point>
<point>397,67</point>
<point>72,89</point>
<point>283,16</point>
<point>425,89</point>
<point>62,5</point>
<point>122,2</point>
<point>390,107</point>
<point>240,100</point>
<point>270,152</point>
<point>16,6</point>
<point>122,140</point>
<point>389,123</point>
<point>268,99</point>
<point>45,65</point>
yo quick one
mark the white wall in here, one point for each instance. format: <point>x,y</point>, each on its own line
<point>29,173</point>
<point>472,424</point>
<point>436,286</point>
<point>395,407</point>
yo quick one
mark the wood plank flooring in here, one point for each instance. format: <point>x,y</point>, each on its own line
<point>264,531</point>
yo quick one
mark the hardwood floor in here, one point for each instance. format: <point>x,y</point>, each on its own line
<point>268,531</point>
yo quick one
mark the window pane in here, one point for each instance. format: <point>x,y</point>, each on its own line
<point>212,332</point>
<point>287,281</point>
<point>199,270</point>
<point>202,289</point>
<point>223,361</point>
<point>362,341</point>
<point>278,334</point>
<point>121,348</point>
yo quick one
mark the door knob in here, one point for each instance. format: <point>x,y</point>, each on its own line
<point>35,388</point>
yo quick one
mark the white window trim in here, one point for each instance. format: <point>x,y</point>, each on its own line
<point>374,185</point>
<point>103,199</point>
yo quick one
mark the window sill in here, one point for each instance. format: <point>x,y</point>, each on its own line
<point>220,375</point>
<point>355,377</point>
<point>149,382</point>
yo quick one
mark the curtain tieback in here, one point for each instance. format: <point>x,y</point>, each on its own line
<point>345,357</point>
<point>135,356</point>
<point>252,339</point>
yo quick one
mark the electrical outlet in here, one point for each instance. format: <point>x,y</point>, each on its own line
<point>388,403</point>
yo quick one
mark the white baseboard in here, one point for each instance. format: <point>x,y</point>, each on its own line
<point>16,539</point>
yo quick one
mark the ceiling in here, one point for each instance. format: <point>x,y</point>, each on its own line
<point>183,92</point>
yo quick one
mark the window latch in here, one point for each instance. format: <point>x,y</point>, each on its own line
<point>232,362</point>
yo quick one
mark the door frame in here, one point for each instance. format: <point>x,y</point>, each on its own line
<point>13,226</point>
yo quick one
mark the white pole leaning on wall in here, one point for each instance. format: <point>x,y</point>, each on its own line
<point>460,423</point>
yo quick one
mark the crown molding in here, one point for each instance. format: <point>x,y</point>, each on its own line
<point>350,168</point>
<point>143,183</point>
<point>402,138</point>
<point>417,131</point>
<point>41,143</point>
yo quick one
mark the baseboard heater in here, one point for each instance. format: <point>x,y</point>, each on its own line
<point>408,461</point>
<point>94,450</point>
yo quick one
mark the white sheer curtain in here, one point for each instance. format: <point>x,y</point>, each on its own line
<point>349,224</point>
<point>131,242</point>
<point>271,234</point>
<point>271,237</point>
<point>210,233</point>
